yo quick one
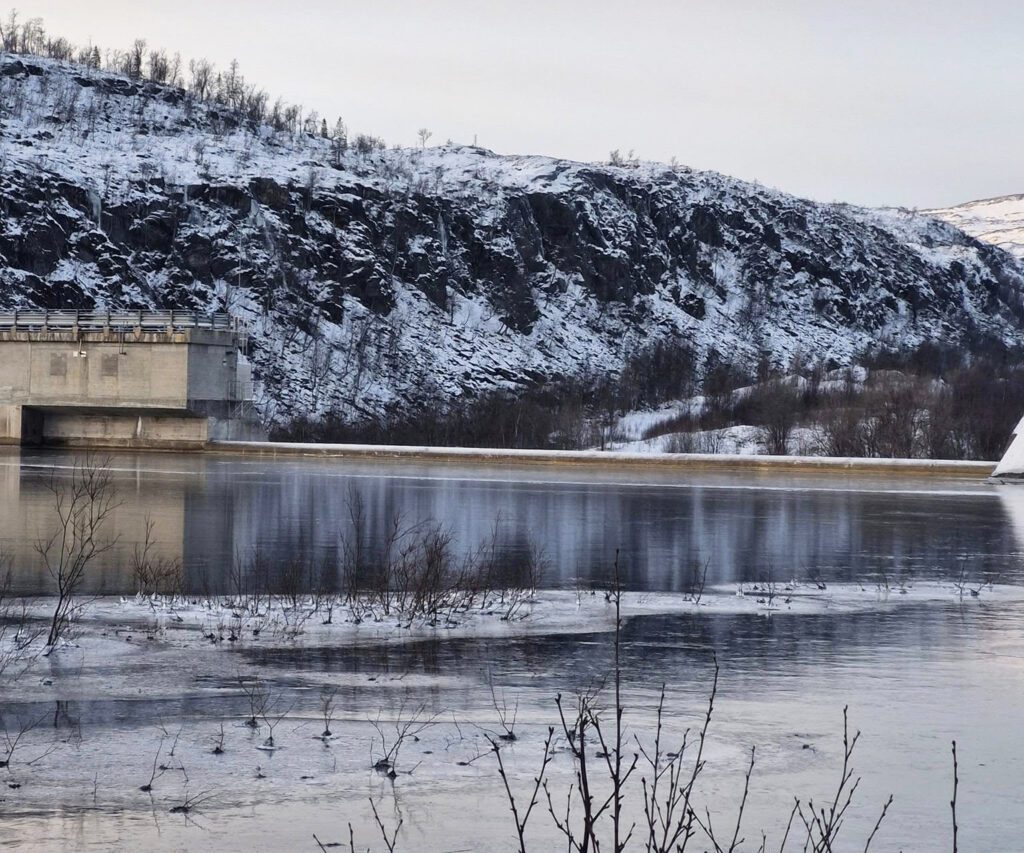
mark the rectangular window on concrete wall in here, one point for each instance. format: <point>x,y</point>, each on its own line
<point>109,365</point>
<point>58,364</point>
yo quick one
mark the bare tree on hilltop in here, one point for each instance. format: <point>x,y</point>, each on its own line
<point>226,89</point>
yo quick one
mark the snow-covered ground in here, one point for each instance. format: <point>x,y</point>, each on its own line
<point>184,621</point>
<point>999,221</point>
<point>740,439</point>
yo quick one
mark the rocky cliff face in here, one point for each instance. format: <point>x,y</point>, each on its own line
<point>383,278</point>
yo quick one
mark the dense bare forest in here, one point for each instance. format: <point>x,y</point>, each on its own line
<point>932,402</point>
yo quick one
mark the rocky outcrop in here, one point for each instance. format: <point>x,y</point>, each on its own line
<point>387,278</point>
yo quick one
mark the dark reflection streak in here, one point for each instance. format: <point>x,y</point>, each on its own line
<point>210,511</point>
<point>675,649</point>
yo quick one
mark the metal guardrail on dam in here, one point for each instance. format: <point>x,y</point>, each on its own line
<point>147,321</point>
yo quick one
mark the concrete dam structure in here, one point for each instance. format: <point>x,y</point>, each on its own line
<point>133,379</point>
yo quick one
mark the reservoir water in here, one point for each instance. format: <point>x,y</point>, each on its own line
<point>914,675</point>
<point>211,511</point>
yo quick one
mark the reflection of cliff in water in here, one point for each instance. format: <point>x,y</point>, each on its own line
<point>661,532</point>
<point>214,510</point>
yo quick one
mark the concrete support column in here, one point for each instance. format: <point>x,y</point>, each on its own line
<point>20,425</point>
<point>10,424</point>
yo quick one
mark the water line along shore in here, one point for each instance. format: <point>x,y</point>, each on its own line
<point>696,461</point>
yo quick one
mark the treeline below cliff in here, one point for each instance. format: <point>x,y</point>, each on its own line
<point>932,402</point>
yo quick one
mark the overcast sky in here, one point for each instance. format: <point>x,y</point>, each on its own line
<point>871,101</point>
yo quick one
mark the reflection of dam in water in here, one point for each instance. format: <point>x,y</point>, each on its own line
<point>210,510</point>
<point>27,517</point>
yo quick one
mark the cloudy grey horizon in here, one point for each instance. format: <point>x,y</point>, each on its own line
<point>913,104</point>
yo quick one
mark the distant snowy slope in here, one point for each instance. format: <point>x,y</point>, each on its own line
<point>999,221</point>
<point>376,280</point>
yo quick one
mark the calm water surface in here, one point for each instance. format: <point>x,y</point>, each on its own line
<point>211,511</point>
<point>915,676</point>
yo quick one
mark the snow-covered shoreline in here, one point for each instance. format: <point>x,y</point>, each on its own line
<point>724,461</point>
<point>185,620</point>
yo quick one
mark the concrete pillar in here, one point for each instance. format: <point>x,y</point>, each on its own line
<point>20,425</point>
<point>10,424</point>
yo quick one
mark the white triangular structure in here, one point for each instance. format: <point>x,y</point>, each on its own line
<point>1011,466</point>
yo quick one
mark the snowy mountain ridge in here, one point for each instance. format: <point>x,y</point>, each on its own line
<point>375,280</point>
<point>999,221</point>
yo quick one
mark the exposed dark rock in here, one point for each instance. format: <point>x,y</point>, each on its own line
<point>442,273</point>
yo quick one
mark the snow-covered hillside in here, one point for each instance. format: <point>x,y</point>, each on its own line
<point>378,279</point>
<point>999,221</point>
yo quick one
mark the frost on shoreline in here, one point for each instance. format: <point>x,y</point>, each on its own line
<point>178,703</point>
<point>223,620</point>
